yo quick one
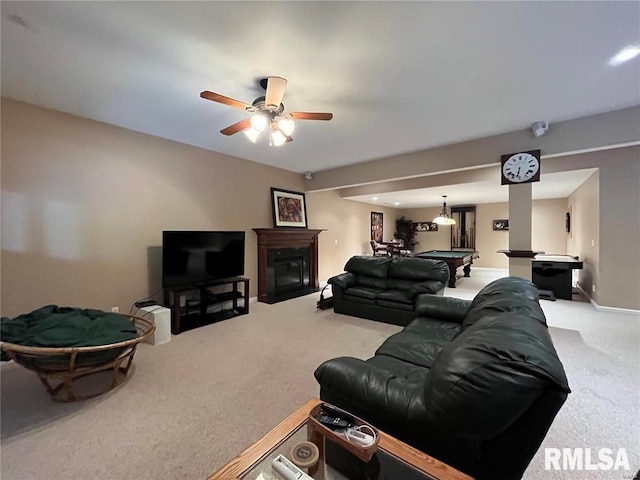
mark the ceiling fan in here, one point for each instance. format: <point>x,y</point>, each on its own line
<point>268,111</point>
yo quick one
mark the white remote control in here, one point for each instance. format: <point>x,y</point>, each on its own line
<point>288,470</point>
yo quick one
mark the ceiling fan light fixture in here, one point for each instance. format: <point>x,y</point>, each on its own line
<point>252,134</point>
<point>286,125</point>
<point>443,218</point>
<point>266,112</point>
<point>277,138</point>
<point>259,122</point>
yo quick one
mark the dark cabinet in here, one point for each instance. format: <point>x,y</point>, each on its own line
<point>463,233</point>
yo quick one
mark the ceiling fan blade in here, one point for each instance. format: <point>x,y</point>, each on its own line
<point>275,91</point>
<point>216,97</point>
<point>311,116</point>
<point>236,127</point>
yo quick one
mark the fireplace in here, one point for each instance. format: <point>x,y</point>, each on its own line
<point>287,263</point>
<point>288,273</point>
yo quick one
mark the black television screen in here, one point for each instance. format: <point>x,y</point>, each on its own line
<point>192,257</point>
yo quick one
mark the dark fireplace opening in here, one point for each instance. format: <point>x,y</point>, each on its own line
<point>288,272</point>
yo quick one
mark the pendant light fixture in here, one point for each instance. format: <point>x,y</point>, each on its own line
<point>443,218</point>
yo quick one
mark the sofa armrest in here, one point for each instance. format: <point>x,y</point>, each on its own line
<point>344,280</point>
<point>374,388</point>
<point>442,308</point>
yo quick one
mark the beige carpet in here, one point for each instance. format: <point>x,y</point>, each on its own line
<point>195,402</point>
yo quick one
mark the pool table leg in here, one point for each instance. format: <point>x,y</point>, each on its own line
<point>452,275</point>
<point>467,270</point>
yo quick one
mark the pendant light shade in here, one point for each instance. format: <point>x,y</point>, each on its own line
<point>443,218</point>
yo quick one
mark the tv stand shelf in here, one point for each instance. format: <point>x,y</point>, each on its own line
<point>188,313</point>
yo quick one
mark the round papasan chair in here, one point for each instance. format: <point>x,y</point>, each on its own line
<point>64,344</point>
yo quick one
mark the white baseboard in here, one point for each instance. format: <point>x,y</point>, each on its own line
<point>601,308</point>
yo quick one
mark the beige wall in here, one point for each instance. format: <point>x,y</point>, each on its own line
<point>618,282</point>
<point>548,233</point>
<point>84,205</point>
<point>583,205</point>
<point>581,134</point>
<point>348,229</point>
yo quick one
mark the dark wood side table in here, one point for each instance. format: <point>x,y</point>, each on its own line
<point>257,458</point>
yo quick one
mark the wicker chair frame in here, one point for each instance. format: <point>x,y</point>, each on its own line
<point>59,367</point>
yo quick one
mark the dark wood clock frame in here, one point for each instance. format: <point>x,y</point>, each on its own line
<point>504,158</point>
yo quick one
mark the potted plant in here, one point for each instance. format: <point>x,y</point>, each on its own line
<point>406,231</point>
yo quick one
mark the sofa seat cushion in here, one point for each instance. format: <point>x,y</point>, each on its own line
<point>412,348</point>
<point>408,307</point>
<point>370,293</point>
<point>397,296</point>
<point>400,369</point>
<point>438,330</point>
<point>361,300</point>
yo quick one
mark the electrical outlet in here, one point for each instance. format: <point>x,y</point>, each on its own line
<point>115,309</point>
<point>593,288</point>
<point>593,243</point>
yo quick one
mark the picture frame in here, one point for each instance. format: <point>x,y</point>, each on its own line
<point>377,226</point>
<point>289,208</point>
<point>426,227</point>
<point>501,225</point>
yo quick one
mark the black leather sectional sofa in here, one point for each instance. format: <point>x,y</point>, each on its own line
<point>475,384</point>
<point>386,289</point>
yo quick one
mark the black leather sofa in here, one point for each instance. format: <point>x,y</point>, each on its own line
<point>475,384</point>
<point>386,289</point>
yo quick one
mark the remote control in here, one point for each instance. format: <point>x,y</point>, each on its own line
<point>331,411</point>
<point>333,422</point>
<point>288,470</point>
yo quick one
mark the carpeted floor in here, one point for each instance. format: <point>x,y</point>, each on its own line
<point>192,404</point>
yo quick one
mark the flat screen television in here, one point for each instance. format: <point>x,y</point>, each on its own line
<point>197,258</point>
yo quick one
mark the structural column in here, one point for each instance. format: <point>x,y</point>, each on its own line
<point>520,229</point>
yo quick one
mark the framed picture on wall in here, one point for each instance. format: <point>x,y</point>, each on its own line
<point>376,226</point>
<point>501,224</point>
<point>426,227</point>
<point>289,208</point>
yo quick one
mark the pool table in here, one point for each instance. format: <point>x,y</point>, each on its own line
<point>454,259</point>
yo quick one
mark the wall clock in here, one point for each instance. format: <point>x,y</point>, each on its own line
<point>520,167</point>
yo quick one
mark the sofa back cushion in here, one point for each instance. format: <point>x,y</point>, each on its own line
<point>490,374</point>
<point>418,269</point>
<point>377,267</point>
<point>508,294</point>
<point>406,272</point>
<point>371,271</point>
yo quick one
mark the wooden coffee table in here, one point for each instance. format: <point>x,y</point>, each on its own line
<point>393,456</point>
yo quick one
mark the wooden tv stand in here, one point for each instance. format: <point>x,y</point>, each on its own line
<point>193,313</point>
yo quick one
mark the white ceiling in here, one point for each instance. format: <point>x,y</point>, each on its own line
<point>398,76</point>
<point>553,185</point>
